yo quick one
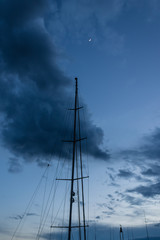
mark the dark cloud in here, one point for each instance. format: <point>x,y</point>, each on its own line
<point>147,191</point>
<point>110,196</point>
<point>140,178</point>
<point>133,200</point>
<point>33,89</point>
<point>149,172</point>
<point>31,214</point>
<point>152,171</point>
<point>17,217</point>
<point>151,147</point>
<point>108,213</point>
<point>111,176</point>
<point>115,184</point>
<point>108,209</point>
<point>125,173</point>
<point>147,152</point>
<point>20,217</point>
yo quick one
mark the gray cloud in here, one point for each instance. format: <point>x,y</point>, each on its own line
<point>108,213</point>
<point>31,214</point>
<point>17,217</point>
<point>32,87</point>
<point>108,209</point>
<point>142,179</point>
<point>147,191</point>
<point>147,152</point>
<point>133,200</point>
<point>125,173</point>
<point>14,165</point>
<point>149,172</point>
<point>152,171</point>
<point>20,217</point>
<point>151,147</point>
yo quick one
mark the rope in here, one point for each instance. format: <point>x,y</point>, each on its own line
<point>29,205</point>
<point>42,213</point>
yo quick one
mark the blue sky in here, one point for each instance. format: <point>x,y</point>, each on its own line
<point>113,48</point>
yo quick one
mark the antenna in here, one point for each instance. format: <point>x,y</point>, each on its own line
<point>145,220</point>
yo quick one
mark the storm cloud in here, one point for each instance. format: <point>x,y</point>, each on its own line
<point>33,89</point>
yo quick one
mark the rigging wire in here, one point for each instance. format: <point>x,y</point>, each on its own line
<point>55,185</point>
<point>58,210</point>
<point>81,168</point>
<point>47,212</point>
<point>43,202</point>
<point>48,203</point>
<point>43,216</point>
<point>68,153</point>
<point>29,204</point>
<point>51,200</point>
<point>87,160</point>
<point>79,220</point>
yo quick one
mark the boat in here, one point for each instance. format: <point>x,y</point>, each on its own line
<point>70,228</point>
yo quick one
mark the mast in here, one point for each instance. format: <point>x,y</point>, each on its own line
<point>121,233</point>
<point>74,171</point>
<point>146,226</point>
<point>73,161</point>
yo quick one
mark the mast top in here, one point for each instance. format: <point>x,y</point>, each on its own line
<point>76,79</point>
<point>76,87</point>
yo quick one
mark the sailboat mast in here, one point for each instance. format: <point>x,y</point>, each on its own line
<point>146,225</point>
<point>121,233</point>
<point>73,161</point>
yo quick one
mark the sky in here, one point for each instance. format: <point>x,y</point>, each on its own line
<point>113,48</point>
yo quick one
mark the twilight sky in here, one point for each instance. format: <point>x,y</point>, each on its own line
<point>113,48</point>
